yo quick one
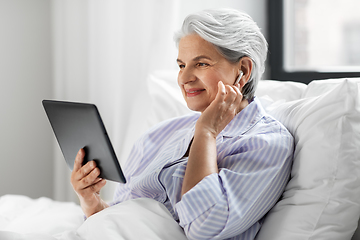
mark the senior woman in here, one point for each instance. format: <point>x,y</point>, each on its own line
<point>219,171</point>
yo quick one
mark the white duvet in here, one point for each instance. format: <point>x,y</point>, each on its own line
<point>45,219</point>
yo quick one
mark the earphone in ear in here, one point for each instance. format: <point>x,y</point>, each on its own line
<point>239,78</point>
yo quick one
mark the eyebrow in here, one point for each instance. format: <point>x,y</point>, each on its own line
<point>196,58</point>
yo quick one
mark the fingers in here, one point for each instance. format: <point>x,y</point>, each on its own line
<point>88,193</point>
<point>86,180</point>
<point>93,188</point>
<point>235,95</point>
<point>80,171</point>
<point>86,176</point>
<point>229,94</point>
<point>79,160</point>
<point>87,169</point>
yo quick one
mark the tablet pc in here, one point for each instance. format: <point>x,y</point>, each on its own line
<point>79,125</point>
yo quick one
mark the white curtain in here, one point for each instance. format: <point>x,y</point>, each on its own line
<point>105,49</point>
<point>103,52</point>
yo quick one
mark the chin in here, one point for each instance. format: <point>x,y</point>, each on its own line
<point>195,108</point>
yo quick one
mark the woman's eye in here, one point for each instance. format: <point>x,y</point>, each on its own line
<point>202,64</point>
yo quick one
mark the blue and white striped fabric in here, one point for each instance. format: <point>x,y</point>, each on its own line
<point>254,155</point>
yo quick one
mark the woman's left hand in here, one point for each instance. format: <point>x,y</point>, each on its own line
<point>227,103</point>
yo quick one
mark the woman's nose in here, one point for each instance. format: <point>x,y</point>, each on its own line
<point>186,76</point>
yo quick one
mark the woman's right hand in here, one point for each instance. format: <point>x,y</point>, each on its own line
<point>87,184</point>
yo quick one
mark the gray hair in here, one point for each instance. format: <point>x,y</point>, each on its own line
<point>235,35</point>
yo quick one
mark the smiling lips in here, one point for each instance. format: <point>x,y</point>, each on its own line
<point>192,92</point>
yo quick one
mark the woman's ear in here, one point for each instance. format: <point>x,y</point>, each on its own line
<point>245,66</point>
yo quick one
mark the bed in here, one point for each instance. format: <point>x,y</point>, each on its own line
<point>321,200</point>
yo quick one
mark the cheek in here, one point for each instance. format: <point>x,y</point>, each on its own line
<point>212,87</point>
<point>212,81</point>
<point>180,85</point>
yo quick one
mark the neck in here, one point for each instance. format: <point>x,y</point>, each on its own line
<point>244,103</point>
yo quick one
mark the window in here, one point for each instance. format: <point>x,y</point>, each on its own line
<point>314,39</point>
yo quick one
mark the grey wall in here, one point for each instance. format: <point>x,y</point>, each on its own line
<point>26,165</point>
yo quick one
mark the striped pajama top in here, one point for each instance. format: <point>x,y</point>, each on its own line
<point>254,155</point>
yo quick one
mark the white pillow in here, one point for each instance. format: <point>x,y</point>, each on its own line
<point>280,90</point>
<point>165,97</point>
<point>322,199</point>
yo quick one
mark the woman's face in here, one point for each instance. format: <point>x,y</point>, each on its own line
<point>201,68</point>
